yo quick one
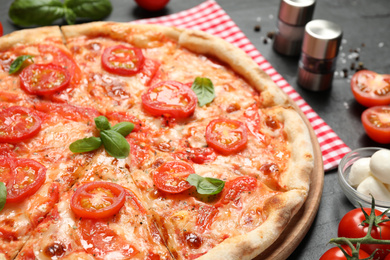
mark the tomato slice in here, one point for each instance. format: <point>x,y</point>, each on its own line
<point>122,60</point>
<point>22,177</point>
<point>205,217</point>
<point>98,200</point>
<point>172,176</point>
<point>233,189</point>
<point>44,79</point>
<point>376,122</point>
<point>18,124</point>
<point>197,155</point>
<point>121,116</point>
<point>99,240</point>
<point>370,88</point>
<point>226,136</point>
<point>171,99</point>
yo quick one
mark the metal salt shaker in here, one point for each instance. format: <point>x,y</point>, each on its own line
<point>292,18</point>
<point>320,47</point>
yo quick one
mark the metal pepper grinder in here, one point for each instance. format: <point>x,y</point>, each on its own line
<point>320,47</point>
<point>292,18</point>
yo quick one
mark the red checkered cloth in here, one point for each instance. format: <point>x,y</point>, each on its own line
<point>211,18</point>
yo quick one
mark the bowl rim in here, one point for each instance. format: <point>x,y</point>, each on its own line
<point>346,187</point>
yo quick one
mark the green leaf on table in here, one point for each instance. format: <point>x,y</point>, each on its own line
<point>92,9</point>
<point>3,195</point>
<point>102,123</point>
<point>36,12</point>
<point>85,145</point>
<point>115,144</point>
<point>17,64</point>
<point>206,185</point>
<point>124,128</point>
<point>204,90</point>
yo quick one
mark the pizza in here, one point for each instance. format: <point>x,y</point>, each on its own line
<point>122,141</point>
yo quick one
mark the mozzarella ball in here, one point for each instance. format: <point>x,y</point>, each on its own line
<point>371,186</point>
<point>380,165</point>
<point>359,171</point>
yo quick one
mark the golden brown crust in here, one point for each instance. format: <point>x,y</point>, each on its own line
<point>279,210</point>
<point>30,36</point>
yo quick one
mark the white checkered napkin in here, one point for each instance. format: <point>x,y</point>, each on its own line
<point>211,18</point>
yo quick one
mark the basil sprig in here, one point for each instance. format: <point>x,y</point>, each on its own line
<point>45,12</point>
<point>204,90</point>
<point>112,138</point>
<point>17,64</point>
<point>206,185</point>
<point>3,195</point>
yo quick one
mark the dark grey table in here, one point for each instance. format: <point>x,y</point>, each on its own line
<point>366,26</point>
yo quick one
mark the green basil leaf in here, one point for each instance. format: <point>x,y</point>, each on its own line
<point>36,12</point>
<point>115,144</point>
<point>204,90</point>
<point>102,123</point>
<point>85,145</point>
<point>3,195</point>
<point>124,128</point>
<point>206,185</point>
<point>70,16</point>
<point>16,65</point>
<point>92,9</point>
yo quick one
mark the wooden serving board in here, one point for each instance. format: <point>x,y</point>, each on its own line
<point>300,224</point>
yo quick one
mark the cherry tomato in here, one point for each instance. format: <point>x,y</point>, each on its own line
<point>44,79</point>
<point>233,189</point>
<point>100,240</point>
<point>171,99</point>
<point>68,111</point>
<point>226,136</point>
<point>22,177</point>
<point>1,29</point>
<point>172,176</point>
<point>370,88</point>
<point>351,226</point>
<point>122,60</point>
<point>98,200</point>
<point>387,257</point>
<point>336,254</point>
<point>152,5</point>
<point>197,155</point>
<point>376,122</point>
<point>18,124</point>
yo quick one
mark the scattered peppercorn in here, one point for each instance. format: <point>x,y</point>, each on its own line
<point>257,28</point>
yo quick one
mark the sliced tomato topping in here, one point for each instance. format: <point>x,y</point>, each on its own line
<point>172,176</point>
<point>22,177</point>
<point>376,122</point>
<point>171,99</point>
<point>63,59</point>
<point>122,60</point>
<point>98,200</point>
<point>205,217</point>
<point>149,71</point>
<point>233,188</point>
<point>99,240</point>
<point>70,112</point>
<point>370,88</point>
<point>226,136</point>
<point>18,124</point>
<point>124,117</point>
<point>44,79</point>
<point>197,155</point>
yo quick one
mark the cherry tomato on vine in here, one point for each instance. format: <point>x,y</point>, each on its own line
<point>1,29</point>
<point>376,122</point>
<point>387,257</point>
<point>350,226</point>
<point>370,88</point>
<point>152,5</point>
<point>336,254</point>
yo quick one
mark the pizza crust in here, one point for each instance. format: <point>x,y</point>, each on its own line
<point>30,36</point>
